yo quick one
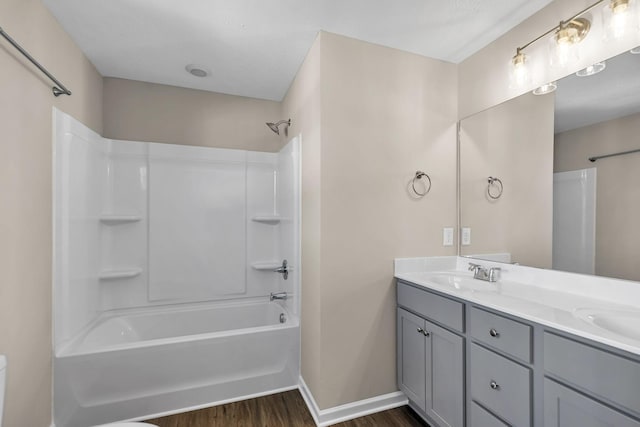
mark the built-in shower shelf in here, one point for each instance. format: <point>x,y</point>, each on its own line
<point>120,274</point>
<point>266,265</point>
<point>119,219</point>
<point>268,219</point>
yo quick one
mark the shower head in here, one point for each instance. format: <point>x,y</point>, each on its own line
<point>274,126</point>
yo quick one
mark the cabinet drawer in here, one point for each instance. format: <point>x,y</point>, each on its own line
<point>443,310</point>
<point>564,407</point>
<point>482,418</point>
<point>501,385</point>
<point>603,374</point>
<point>512,337</point>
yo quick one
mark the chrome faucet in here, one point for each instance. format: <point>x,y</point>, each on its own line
<point>278,296</point>
<point>487,274</point>
<point>283,269</point>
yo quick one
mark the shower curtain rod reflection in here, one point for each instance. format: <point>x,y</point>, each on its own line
<point>622,153</point>
<point>59,88</point>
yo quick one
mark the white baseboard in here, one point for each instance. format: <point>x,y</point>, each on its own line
<point>331,416</point>
<point>349,411</point>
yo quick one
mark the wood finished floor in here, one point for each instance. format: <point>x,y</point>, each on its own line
<point>279,410</point>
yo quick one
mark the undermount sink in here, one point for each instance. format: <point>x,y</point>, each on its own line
<point>625,323</point>
<point>460,280</point>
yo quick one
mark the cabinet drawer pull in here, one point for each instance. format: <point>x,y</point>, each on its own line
<point>423,332</point>
<point>494,385</point>
<point>494,333</point>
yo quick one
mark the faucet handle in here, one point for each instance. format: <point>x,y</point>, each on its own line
<point>474,267</point>
<point>494,274</point>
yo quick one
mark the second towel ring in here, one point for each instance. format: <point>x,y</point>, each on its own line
<point>494,182</point>
<point>419,176</point>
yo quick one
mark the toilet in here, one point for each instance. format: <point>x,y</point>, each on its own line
<point>3,378</point>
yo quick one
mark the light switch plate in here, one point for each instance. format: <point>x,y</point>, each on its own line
<point>447,236</point>
<point>466,236</point>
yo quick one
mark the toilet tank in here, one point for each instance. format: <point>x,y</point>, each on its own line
<point>3,377</point>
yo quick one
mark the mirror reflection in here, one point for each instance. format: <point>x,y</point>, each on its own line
<point>558,209</point>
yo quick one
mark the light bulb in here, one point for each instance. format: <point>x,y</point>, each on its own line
<point>562,50</point>
<point>619,18</point>
<point>519,75</point>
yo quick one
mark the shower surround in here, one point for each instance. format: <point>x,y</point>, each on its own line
<point>163,266</point>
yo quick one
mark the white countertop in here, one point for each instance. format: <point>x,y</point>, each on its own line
<point>555,299</point>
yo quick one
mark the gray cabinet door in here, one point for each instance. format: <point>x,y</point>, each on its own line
<point>445,380</point>
<point>564,407</point>
<point>411,354</point>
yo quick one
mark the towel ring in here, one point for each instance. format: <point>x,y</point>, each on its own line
<point>419,176</point>
<point>492,183</point>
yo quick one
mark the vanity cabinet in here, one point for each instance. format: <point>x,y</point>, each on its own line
<point>463,364</point>
<point>564,407</point>
<point>501,385</point>
<point>431,362</point>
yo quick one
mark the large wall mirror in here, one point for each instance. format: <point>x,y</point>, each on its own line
<point>530,194</point>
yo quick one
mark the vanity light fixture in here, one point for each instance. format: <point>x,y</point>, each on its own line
<point>619,18</point>
<point>592,69</point>
<point>619,15</point>
<point>562,51</point>
<point>520,75</point>
<point>546,88</point>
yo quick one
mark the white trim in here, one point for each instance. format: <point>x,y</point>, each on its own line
<point>349,411</point>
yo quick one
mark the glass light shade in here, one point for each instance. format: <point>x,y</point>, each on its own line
<point>519,75</point>
<point>563,49</point>
<point>620,18</point>
<point>546,88</point>
<point>592,69</point>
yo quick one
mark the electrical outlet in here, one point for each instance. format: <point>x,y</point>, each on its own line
<point>447,236</point>
<point>466,236</point>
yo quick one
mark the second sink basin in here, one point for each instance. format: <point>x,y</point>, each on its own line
<point>625,323</point>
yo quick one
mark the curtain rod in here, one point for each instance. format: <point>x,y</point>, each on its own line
<point>593,159</point>
<point>59,88</point>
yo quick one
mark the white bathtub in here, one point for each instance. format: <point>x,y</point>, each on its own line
<point>142,363</point>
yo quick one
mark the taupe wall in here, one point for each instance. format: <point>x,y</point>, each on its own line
<point>25,196</point>
<point>303,105</point>
<point>484,77</point>
<point>384,114</point>
<point>617,191</point>
<point>142,111</point>
<point>514,142</point>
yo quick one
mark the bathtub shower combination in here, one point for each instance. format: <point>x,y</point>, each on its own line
<point>164,259</point>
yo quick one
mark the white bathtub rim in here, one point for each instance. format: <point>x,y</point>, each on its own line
<point>68,350</point>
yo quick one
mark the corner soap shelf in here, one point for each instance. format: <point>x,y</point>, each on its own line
<point>119,274</point>
<point>266,265</point>
<point>119,219</point>
<point>268,219</point>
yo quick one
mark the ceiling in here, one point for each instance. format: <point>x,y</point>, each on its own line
<point>254,47</point>
<point>612,93</point>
